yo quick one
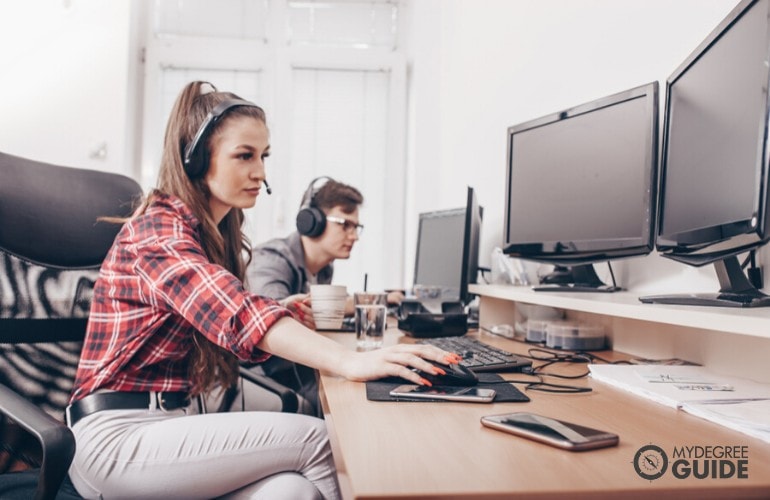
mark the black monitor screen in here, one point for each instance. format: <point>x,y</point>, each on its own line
<point>714,144</point>
<point>581,183</point>
<point>448,249</point>
<point>714,175</point>
<point>471,240</point>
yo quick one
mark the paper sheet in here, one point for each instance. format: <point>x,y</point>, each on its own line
<point>736,403</point>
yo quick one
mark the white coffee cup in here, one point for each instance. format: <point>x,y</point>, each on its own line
<point>328,304</point>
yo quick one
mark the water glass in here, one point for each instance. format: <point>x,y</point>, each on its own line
<point>371,318</point>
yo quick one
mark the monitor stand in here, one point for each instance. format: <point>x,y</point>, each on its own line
<point>581,278</point>
<point>735,290</point>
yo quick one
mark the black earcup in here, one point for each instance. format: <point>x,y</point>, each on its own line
<point>196,163</point>
<point>195,158</point>
<point>311,222</point>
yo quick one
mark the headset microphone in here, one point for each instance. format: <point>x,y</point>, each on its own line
<point>267,186</point>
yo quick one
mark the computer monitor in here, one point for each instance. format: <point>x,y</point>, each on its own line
<point>471,240</point>
<point>448,249</point>
<point>714,160</point>
<point>581,187</point>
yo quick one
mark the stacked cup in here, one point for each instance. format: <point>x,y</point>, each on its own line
<point>328,304</point>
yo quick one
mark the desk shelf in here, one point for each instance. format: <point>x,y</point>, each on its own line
<point>751,322</point>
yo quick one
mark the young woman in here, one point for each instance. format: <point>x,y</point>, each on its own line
<point>170,319</point>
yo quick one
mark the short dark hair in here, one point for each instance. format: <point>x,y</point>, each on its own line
<point>336,194</point>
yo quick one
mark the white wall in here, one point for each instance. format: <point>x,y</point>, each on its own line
<point>479,66</point>
<point>72,78</point>
<point>69,69</point>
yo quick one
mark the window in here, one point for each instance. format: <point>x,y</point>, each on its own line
<point>331,77</point>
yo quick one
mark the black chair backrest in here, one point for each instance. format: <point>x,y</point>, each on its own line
<point>49,234</point>
<point>48,213</point>
<point>51,247</point>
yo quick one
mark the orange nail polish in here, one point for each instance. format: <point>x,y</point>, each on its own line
<point>452,359</point>
<point>426,382</point>
<point>438,371</point>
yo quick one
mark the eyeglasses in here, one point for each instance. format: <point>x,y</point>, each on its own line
<point>347,225</point>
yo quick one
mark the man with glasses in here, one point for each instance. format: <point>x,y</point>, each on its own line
<point>284,268</point>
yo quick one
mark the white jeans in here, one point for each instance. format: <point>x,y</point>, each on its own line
<point>157,454</point>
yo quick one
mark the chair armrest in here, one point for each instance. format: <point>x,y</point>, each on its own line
<point>56,440</point>
<point>289,401</point>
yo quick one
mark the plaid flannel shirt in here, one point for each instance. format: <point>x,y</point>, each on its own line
<point>155,288</point>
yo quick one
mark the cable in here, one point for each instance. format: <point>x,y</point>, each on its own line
<point>755,272</point>
<point>594,357</point>
<point>542,386</point>
<point>549,357</point>
<point>749,258</point>
<point>612,274</point>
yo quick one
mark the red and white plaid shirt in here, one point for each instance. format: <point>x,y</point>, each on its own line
<point>155,288</point>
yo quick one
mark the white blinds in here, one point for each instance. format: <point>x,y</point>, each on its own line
<point>340,129</point>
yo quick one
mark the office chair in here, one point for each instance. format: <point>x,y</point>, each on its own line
<point>51,248</point>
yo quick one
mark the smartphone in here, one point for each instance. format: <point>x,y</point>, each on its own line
<point>468,394</point>
<point>547,430</point>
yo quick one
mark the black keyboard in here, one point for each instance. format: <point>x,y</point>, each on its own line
<point>478,356</point>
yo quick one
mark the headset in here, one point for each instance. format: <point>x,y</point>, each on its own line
<point>196,157</point>
<point>311,221</point>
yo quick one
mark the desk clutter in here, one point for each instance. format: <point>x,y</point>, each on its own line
<point>737,403</point>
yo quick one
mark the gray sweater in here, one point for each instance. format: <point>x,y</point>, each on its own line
<point>277,269</point>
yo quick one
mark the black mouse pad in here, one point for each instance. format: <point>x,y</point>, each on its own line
<point>379,390</point>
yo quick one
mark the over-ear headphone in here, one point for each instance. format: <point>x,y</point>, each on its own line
<point>196,156</point>
<point>311,221</point>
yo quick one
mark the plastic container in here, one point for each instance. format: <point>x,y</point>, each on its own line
<point>574,336</point>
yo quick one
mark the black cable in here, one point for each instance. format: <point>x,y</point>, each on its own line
<point>542,386</point>
<point>538,370</point>
<point>564,355</point>
<point>612,274</point>
<point>749,258</point>
<point>484,271</point>
<point>556,388</point>
<point>549,357</point>
<point>594,357</point>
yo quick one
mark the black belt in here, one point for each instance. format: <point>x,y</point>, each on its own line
<point>125,401</point>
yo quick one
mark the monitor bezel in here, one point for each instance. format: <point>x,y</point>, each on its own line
<point>422,217</point>
<point>469,264</point>
<point>709,244</point>
<point>471,245</point>
<point>594,250</point>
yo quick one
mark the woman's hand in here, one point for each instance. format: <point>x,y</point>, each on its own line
<point>299,305</point>
<point>397,360</point>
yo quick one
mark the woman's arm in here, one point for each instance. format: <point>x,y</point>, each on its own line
<point>289,339</point>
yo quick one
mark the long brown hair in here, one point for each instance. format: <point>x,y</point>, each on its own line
<point>224,243</point>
